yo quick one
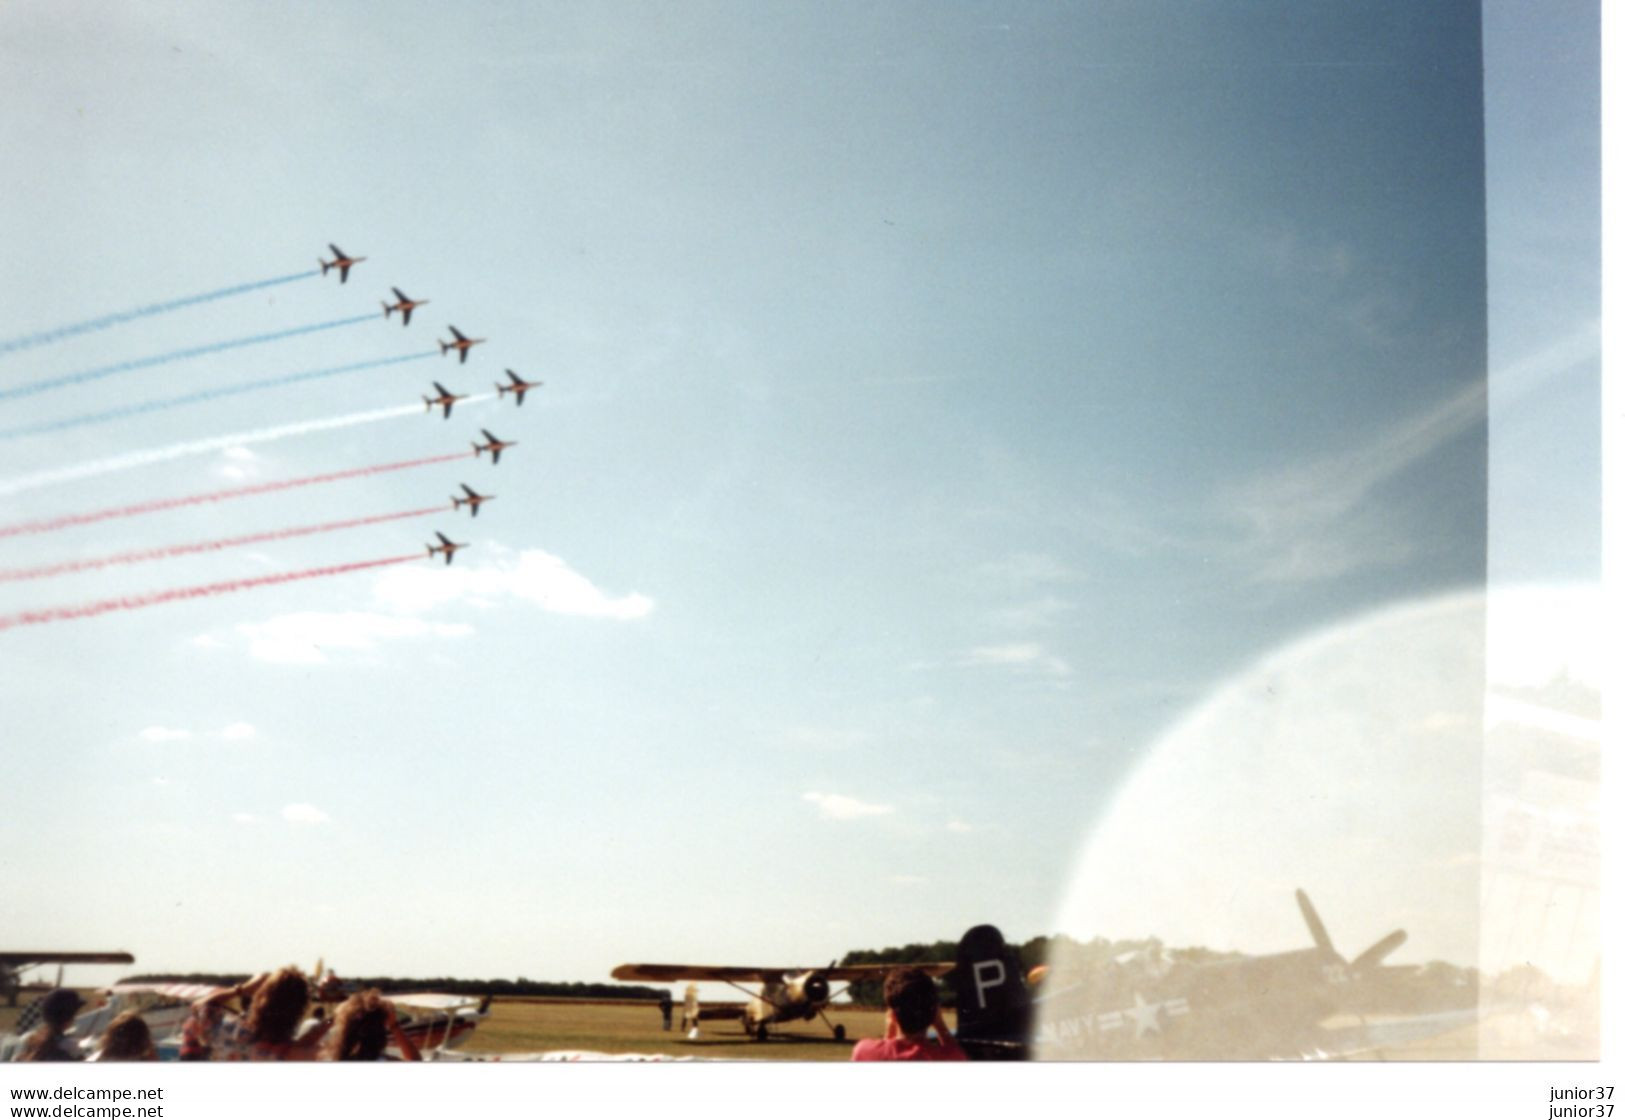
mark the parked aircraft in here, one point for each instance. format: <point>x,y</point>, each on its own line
<point>13,964</point>
<point>342,263</point>
<point>446,399</point>
<point>784,995</point>
<point>449,547</point>
<point>462,344</point>
<point>404,306</point>
<point>472,501</point>
<point>517,387</point>
<point>1154,1005</point>
<point>494,447</point>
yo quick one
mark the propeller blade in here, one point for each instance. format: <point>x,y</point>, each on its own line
<point>1374,955</point>
<point>1316,929</point>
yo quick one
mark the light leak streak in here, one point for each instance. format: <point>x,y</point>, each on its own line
<point>214,443</point>
<point>179,594</point>
<point>31,387</point>
<point>171,551</point>
<point>52,524</point>
<point>56,334</point>
<point>205,395</point>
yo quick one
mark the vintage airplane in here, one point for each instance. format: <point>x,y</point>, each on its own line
<point>785,995</point>
<point>342,263</point>
<point>462,344</point>
<point>404,306</point>
<point>1303,1004</point>
<point>14,964</point>
<point>517,388</point>
<point>446,399</point>
<point>449,547</point>
<point>494,447</point>
<point>472,501</point>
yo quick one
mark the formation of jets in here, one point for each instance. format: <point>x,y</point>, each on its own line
<point>443,397</point>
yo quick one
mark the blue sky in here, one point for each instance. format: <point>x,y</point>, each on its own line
<point>939,402</point>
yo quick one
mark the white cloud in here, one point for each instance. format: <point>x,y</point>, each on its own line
<point>839,807</point>
<point>1031,656</point>
<point>165,734</point>
<point>305,637</point>
<point>531,576</point>
<point>235,731</point>
<point>301,813</point>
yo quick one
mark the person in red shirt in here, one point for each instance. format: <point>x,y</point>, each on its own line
<point>911,1010</point>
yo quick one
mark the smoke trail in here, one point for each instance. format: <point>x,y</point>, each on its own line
<point>52,524</point>
<point>171,551</point>
<point>40,338</point>
<point>203,395</point>
<point>32,387</point>
<point>213,443</point>
<point>136,602</point>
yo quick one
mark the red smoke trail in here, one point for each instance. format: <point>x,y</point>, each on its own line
<point>208,546</point>
<point>54,523</point>
<point>136,602</point>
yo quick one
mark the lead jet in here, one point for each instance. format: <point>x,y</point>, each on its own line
<point>404,306</point>
<point>13,964</point>
<point>783,995</point>
<point>472,501</point>
<point>342,263</point>
<point>461,345</point>
<point>517,388</point>
<point>449,547</point>
<point>494,447</point>
<point>446,399</point>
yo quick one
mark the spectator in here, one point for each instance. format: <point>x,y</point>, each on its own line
<point>127,1039</point>
<point>911,1009</point>
<point>362,1027</point>
<point>275,1004</point>
<point>49,1042</point>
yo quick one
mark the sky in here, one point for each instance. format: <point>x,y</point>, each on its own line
<point>939,403</point>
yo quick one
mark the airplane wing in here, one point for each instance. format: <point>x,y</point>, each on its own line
<point>443,537</point>
<point>441,388</point>
<point>467,491</point>
<point>400,295</point>
<point>488,435</point>
<point>26,959</point>
<point>669,973</point>
<point>457,334</point>
<point>337,252</point>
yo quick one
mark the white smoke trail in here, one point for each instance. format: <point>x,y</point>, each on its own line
<point>211,444</point>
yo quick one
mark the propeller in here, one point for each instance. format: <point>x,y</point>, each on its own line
<point>1361,964</point>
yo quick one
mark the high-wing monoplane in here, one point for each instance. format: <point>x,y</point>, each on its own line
<point>462,344</point>
<point>1306,1003</point>
<point>446,545</point>
<point>472,501</point>
<point>495,446</point>
<point>445,400</point>
<point>517,386</point>
<point>404,306</point>
<point>342,263</point>
<point>782,995</point>
<point>13,964</point>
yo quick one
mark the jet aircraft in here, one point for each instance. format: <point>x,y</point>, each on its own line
<point>462,344</point>
<point>446,399</point>
<point>494,447</point>
<point>1154,1005</point>
<point>517,388</point>
<point>404,306</point>
<point>784,995</point>
<point>472,502</point>
<point>13,964</point>
<point>342,263</point>
<point>449,547</point>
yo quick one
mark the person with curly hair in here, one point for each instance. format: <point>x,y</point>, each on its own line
<point>363,1026</point>
<point>127,1039</point>
<point>265,1032</point>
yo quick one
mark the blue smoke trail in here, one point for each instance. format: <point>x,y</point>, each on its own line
<point>204,395</point>
<point>40,338</point>
<point>99,372</point>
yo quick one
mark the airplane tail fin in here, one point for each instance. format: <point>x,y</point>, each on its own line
<point>1316,929</point>
<point>386,307</point>
<point>325,265</point>
<point>477,448</point>
<point>444,346</point>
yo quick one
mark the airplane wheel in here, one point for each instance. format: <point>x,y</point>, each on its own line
<point>840,1032</point>
<point>761,1032</point>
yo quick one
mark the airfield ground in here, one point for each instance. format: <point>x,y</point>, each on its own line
<point>526,1026</point>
